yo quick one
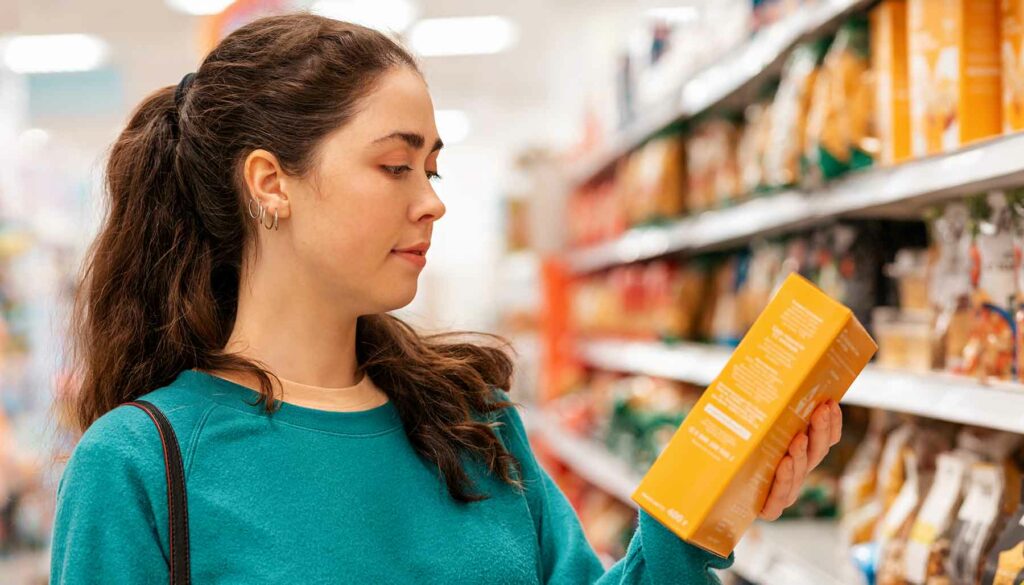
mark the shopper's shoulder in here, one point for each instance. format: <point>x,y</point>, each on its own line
<point>127,430</point>
<point>115,444</point>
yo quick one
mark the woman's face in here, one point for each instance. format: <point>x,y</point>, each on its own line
<point>371,195</point>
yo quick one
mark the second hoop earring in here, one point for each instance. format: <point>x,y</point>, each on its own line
<point>272,226</point>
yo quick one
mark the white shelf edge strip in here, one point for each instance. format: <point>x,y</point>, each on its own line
<point>754,557</point>
<point>939,396</point>
<point>711,85</point>
<point>588,459</point>
<point>930,179</point>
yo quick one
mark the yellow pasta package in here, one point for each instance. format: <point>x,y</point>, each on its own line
<point>805,348</point>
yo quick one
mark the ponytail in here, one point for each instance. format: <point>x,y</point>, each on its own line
<point>141,303</point>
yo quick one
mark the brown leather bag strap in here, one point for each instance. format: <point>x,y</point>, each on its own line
<point>177,505</point>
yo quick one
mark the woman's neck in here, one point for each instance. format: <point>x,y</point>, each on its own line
<point>294,334</point>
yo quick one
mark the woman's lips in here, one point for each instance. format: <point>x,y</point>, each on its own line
<point>418,260</point>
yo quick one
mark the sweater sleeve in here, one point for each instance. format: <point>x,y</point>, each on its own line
<point>105,529</point>
<point>655,556</point>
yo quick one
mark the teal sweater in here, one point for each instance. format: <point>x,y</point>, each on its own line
<point>313,496</point>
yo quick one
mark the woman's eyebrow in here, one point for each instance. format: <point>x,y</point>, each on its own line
<point>413,139</point>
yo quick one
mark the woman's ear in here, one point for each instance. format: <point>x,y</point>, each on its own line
<point>267,182</point>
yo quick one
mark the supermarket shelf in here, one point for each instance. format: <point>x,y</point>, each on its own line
<point>792,552</point>
<point>588,459</point>
<point>687,362</point>
<point>795,552</point>
<point>939,396</point>
<point>743,67</point>
<point>995,163</point>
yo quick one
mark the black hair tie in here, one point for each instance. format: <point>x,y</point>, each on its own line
<point>183,86</point>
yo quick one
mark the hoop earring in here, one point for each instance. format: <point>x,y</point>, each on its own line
<point>257,214</point>
<point>272,226</point>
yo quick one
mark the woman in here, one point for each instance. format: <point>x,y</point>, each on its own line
<point>323,440</point>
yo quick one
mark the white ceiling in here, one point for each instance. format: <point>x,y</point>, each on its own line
<point>153,45</point>
<point>532,93</point>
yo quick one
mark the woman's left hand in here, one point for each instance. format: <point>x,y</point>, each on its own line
<point>805,453</point>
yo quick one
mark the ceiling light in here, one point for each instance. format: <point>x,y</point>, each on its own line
<point>383,15</point>
<point>475,35</point>
<point>452,125</point>
<point>674,14</point>
<point>199,7</point>
<point>54,53</point>
<point>33,139</point>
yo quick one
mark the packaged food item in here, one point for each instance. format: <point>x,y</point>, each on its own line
<point>598,211</point>
<point>689,290</point>
<point>1016,199</point>
<point>753,147</point>
<point>891,472</point>
<point>858,505</point>
<point>658,280</point>
<point>840,130</point>
<point>1013,65</point>
<point>712,168</point>
<point>645,410</point>
<point>910,270</point>
<point>894,529</point>
<point>983,510</point>
<point>905,339</point>
<point>892,92</point>
<point>715,290</point>
<point>765,263</point>
<point>805,348</point>
<point>654,179</point>
<point>950,286</point>
<point>990,350</point>
<point>989,444</point>
<point>725,324</point>
<point>670,192</point>
<point>955,73</point>
<point>789,115</point>
<point>628,173</point>
<point>926,551</point>
<point>1005,563</point>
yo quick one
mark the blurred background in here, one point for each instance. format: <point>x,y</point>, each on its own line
<point>627,182</point>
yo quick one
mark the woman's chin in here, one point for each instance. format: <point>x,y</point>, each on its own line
<point>400,296</point>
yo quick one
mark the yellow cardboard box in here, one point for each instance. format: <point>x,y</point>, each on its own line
<point>711,481</point>
<point>955,73</point>
<point>892,92</point>
<point>1013,65</point>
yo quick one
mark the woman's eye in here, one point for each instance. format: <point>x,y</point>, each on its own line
<point>400,170</point>
<point>397,171</point>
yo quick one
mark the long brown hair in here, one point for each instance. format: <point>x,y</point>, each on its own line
<point>159,290</point>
